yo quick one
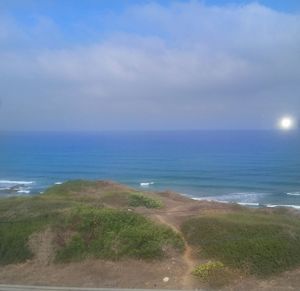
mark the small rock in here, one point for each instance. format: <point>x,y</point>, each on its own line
<point>166,279</point>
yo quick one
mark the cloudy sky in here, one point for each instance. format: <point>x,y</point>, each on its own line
<point>103,65</point>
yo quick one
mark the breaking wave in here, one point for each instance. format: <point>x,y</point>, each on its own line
<point>9,182</point>
<point>15,187</point>
<point>293,193</point>
<point>146,184</point>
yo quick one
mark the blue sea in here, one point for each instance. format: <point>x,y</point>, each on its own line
<point>247,167</point>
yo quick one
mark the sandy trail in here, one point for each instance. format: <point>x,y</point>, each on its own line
<point>187,279</point>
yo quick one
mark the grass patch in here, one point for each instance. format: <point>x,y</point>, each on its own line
<point>114,234</point>
<point>102,194</point>
<point>84,227</point>
<point>69,187</point>
<point>204,271</point>
<point>257,242</point>
<point>137,199</point>
<point>14,237</point>
<point>214,273</point>
<point>22,216</point>
<point>30,207</point>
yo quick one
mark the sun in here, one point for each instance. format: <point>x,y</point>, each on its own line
<point>286,123</point>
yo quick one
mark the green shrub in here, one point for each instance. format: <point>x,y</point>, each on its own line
<point>136,200</point>
<point>213,273</point>
<point>204,271</point>
<point>113,234</point>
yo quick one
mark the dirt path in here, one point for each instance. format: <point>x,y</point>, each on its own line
<point>41,244</point>
<point>187,279</point>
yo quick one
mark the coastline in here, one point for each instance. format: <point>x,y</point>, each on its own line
<point>249,204</point>
<point>19,188</point>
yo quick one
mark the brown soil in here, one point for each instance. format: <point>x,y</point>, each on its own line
<point>134,273</point>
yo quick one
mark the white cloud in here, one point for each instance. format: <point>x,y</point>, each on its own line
<point>182,66</point>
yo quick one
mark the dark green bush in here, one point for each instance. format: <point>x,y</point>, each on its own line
<point>136,200</point>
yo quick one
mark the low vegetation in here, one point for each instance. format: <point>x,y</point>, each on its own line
<point>99,220</point>
<point>214,273</point>
<point>258,242</point>
<point>114,234</point>
<point>96,216</point>
<point>19,219</point>
<point>14,239</point>
<point>204,271</point>
<point>71,187</point>
<point>102,194</point>
<point>137,199</point>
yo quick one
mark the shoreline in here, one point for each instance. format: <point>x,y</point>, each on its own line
<point>16,188</point>
<point>250,204</point>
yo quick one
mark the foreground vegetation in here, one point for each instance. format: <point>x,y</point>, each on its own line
<point>215,274</point>
<point>137,199</point>
<point>105,220</point>
<point>96,217</point>
<point>19,219</point>
<point>113,234</point>
<point>258,242</point>
<point>13,241</point>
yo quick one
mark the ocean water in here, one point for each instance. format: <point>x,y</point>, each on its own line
<point>248,167</point>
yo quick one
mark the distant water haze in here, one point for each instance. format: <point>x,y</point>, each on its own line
<point>248,167</point>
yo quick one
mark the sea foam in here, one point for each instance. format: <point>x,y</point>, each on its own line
<point>226,202</point>
<point>146,184</point>
<point>9,182</point>
<point>23,191</point>
<point>242,198</point>
<point>293,193</point>
<point>283,205</point>
<point>248,203</point>
<point>14,187</point>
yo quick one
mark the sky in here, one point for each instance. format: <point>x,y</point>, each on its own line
<point>148,65</point>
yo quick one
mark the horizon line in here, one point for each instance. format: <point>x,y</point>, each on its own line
<point>137,130</point>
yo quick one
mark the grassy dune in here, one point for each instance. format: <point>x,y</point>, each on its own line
<point>258,242</point>
<point>96,217</point>
<point>114,234</point>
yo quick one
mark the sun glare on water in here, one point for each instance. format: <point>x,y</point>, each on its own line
<point>286,123</point>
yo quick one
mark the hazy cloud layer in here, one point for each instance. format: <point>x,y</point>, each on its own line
<point>182,66</point>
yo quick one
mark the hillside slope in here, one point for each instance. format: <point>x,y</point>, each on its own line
<point>102,234</point>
